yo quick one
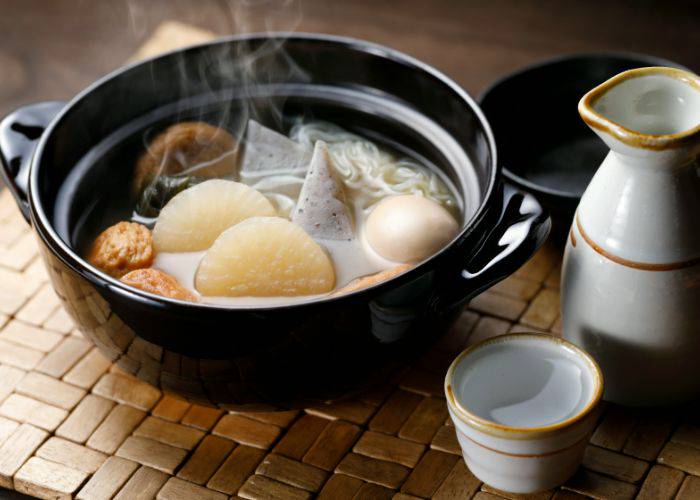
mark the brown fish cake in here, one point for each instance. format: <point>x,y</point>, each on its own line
<point>185,145</point>
<point>159,283</point>
<point>122,248</point>
<point>373,279</point>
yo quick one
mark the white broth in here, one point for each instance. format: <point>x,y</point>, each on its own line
<point>366,174</point>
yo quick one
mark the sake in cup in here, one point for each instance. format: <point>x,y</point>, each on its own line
<point>524,406</point>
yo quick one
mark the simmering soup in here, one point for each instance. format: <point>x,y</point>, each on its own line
<point>271,218</point>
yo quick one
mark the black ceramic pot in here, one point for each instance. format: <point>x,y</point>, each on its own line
<point>62,161</point>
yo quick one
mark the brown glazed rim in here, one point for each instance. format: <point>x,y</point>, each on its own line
<point>526,455</point>
<point>644,266</point>
<point>633,137</point>
<point>522,433</point>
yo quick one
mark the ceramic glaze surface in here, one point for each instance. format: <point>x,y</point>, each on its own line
<point>523,383</point>
<point>523,406</point>
<point>631,272</point>
<point>557,165</point>
<point>651,104</point>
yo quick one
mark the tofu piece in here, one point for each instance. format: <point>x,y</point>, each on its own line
<point>266,150</point>
<point>321,210</point>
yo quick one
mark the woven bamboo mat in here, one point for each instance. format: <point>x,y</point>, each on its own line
<point>72,424</point>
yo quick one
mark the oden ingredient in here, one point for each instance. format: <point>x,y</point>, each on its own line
<point>265,256</point>
<point>193,148</point>
<point>267,150</point>
<point>194,218</point>
<point>159,283</point>
<point>409,228</point>
<point>322,210</point>
<point>373,279</point>
<point>122,248</point>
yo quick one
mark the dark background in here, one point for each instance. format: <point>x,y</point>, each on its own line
<point>51,49</point>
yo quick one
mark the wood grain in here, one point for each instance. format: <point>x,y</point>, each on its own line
<point>332,444</point>
<point>238,466</point>
<point>44,479</point>
<point>301,436</point>
<point>85,418</point>
<point>71,455</point>
<point>127,390</point>
<point>108,479</point>
<point>205,460</point>
<point>201,417</point>
<point>247,431</point>
<point>119,424</point>
<point>380,472</point>
<point>31,411</point>
<point>17,449</point>
<point>148,452</point>
<point>49,390</point>
<point>390,448</point>
<point>169,433</point>
<point>292,472</point>
<point>170,408</point>
<point>176,488</point>
<point>258,487</point>
<point>143,484</point>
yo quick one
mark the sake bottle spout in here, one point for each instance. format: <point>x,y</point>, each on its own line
<point>645,111</point>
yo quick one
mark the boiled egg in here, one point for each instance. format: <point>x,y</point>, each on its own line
<point>409,228</point>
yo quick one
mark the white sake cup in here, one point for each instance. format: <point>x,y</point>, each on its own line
<point>524,406</point>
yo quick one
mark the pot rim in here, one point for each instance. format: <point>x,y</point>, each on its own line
<point>74,261</point>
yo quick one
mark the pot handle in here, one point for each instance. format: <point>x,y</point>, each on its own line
<point>20,132</point>
<point>520,229</point>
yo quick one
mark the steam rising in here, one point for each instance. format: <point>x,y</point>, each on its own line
<point>370,171</point>
<point>254,64</point>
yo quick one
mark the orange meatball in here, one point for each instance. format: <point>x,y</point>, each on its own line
<point>373,279</point>
<point>122,248</point>
<point>159,283</point>
<point>198,148</point>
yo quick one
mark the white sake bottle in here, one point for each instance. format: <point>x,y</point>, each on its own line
<point>631,273</point>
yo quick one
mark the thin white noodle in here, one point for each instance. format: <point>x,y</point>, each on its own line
<point>369,172</point>
<point>374,172</point>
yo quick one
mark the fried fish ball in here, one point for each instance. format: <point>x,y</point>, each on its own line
<point>198,148</point>
<point>373,279</point>
<point>159,283</point>
<point>122,248</point>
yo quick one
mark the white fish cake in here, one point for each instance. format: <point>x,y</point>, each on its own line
<point>194,218</point>
<point>265,257</point>
<point>321,210</point>
<point>267,150</point>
